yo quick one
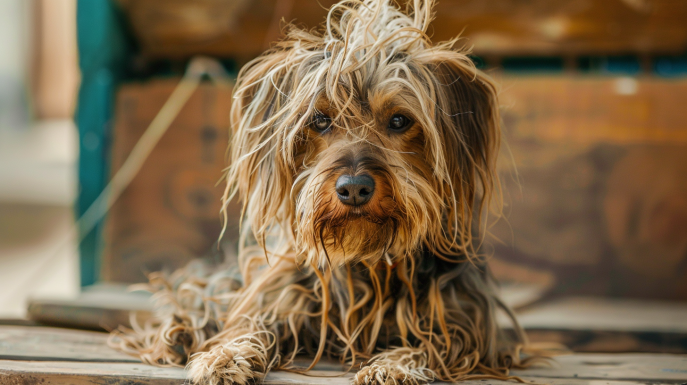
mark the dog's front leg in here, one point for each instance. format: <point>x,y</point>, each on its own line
<point>237,356</point>
<point>397,366</point>
<point>242,352</point>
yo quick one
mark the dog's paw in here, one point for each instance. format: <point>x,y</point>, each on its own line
<point>389,374</point>
<point>233,363</point>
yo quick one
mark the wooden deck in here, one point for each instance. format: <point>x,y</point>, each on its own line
<point>41,355</point>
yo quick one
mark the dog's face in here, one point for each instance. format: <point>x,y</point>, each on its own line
<point>365,142</point>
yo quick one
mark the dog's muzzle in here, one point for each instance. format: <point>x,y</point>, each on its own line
<point>355,190</point>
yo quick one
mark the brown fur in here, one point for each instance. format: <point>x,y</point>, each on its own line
<point>395,285</point>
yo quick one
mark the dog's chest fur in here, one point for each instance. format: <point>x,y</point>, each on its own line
<point>382,306</point>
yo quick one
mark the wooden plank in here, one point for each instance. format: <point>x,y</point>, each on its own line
<point>17,322</point>
<point>111,373</point>
<point>604,325</point>
<point>583,324</point>
<point>243,29</point>
<point>608,341</point>
<point>564,28</point>
<point>595,195</point>
<point>115,373</point>
<point>79,353</point>
<point>582,370</point>
<point>170,213</point>
<point>79,357</point>
<point>587,313</point>
<point>54,344</point>
<point>103,306</point>
<point>587,110</point>
<point>624,367</point>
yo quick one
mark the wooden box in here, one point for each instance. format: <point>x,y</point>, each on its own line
<point>170,213</point>
<point>597,185</point>
<point>596,191</point>
<point>243,28</point>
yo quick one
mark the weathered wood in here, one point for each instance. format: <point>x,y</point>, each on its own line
<point>574,370</point>
<point>83,358</point>
<point>17,322</point>
<point>596,189</point>
<point>588,313</point>
<point>110,373</point>
<point>625,367</point>
<point>587,110</point>
<point>102,306</point>
<point>105,306</point>
<point>54,344</point>
<point>241,28</point>
<point>587,324</point>
<point>583,324</point>
<point>608,341</point>
<point>170,213</point>
<point>47,355</point>
<point>598,207</point>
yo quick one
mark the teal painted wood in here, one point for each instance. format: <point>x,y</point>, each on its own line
<point>104,50</point>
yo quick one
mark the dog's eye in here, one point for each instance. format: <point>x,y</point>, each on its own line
<point>321,123</point>
<point>399,123</point>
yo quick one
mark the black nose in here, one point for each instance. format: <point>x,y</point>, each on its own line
<point>355,190</point>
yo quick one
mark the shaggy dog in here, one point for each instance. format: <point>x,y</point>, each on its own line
<point>364,157</point>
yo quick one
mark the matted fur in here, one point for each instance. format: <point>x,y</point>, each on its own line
<point>395,286</point>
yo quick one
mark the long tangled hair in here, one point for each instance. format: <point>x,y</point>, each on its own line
<point>395,285</point>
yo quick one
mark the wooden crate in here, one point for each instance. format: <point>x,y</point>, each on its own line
<point>598,195</point>
<point>597,205</point>
<point>243,29</point>
<point>170,213</point>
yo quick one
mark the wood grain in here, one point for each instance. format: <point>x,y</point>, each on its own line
<point>32,355</point>
<point>243,29</point>
<point>605,325</point>
<point>595,184</point>
<point>574,370</point>
<point>55,344</point>
<point>623,367</point>
<point>110,373</point>
<point>170,213</point>
<point>621,315</point>
<point>103,306</point>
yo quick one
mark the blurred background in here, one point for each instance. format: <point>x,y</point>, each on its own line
<point>593,98</point>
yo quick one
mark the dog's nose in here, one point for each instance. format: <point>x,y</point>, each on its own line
<point>355,190</point>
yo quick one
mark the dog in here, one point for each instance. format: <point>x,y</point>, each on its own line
<point>364,157</point>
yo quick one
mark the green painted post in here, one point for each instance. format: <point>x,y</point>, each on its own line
<point>104,51</point>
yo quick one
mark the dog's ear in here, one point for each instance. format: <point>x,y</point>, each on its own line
<point>468,116</point>
<point>257,172</point>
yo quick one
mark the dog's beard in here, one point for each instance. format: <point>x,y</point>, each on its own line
<point>388,228</point>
